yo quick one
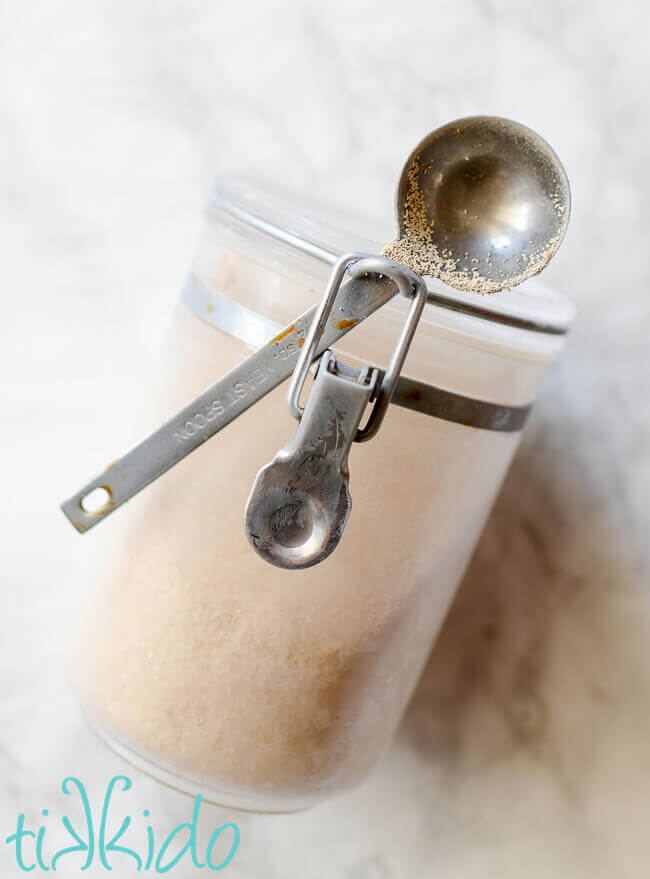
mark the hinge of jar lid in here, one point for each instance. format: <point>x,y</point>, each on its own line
<point>300,501</point>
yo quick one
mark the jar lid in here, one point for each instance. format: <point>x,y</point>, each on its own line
<point>302,240</point>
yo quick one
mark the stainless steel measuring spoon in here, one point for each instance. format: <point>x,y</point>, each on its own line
<point>516,193</point>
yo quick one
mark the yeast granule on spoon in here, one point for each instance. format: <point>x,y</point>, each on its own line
<point>483,205</point>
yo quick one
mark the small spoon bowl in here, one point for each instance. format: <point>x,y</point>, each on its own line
<point>485,201</point>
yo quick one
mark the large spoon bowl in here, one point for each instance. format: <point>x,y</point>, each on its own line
<point>483,203</point>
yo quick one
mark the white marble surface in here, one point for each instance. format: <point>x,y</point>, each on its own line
<point>526,751</point>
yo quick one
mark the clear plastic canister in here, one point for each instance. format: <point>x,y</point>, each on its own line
<point>269,689</point>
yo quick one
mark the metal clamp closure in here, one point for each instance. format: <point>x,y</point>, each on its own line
<point>300,501</point>
<point>410,285</point>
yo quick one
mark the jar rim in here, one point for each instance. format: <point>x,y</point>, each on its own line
<point>304,239</point>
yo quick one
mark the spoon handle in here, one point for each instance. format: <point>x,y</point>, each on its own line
<point>222,402</point>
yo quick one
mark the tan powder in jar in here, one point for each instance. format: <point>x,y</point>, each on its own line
<point>217,667</point>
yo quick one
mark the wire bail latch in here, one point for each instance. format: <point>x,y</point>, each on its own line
<point>300,501</point>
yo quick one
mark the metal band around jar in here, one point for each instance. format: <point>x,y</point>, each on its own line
<point>254,330</point>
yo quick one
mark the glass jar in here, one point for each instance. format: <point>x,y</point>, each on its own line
<point>269,689</point>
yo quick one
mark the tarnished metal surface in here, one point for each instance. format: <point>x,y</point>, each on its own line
<point>300,501</point>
